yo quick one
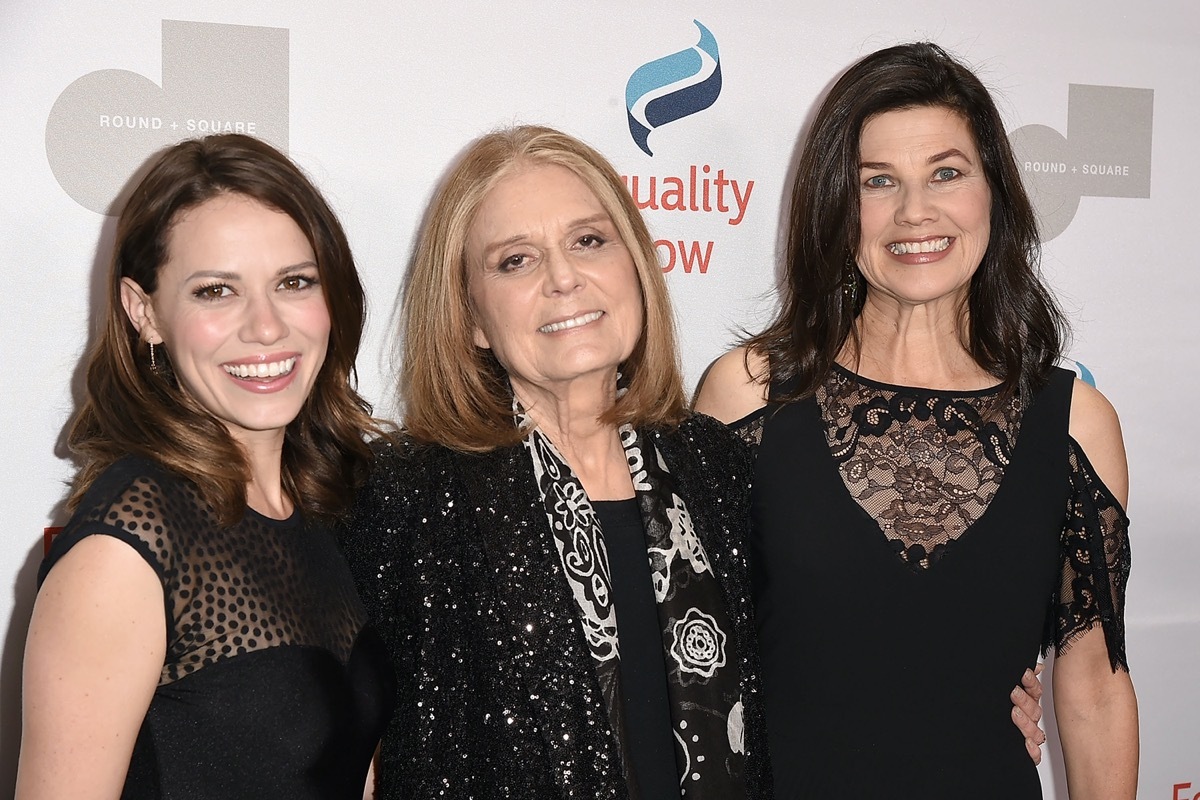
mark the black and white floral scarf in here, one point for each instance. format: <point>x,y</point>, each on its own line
<point>703,684</point>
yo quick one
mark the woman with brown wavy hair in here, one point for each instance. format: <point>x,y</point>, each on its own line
<point>927,482</point>
<point>196,632</point>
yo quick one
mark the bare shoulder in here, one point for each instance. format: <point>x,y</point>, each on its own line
<point>735,385</point>
<point>1097,430</point>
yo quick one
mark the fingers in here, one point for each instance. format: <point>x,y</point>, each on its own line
<point>1027,697</point>
<point>1035,752</point>
<point>1027,712</point>
<point>1031,683</point>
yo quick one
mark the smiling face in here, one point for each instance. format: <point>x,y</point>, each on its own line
<point>553,288</point>
<point>926,207</point>
<point>240,310</point>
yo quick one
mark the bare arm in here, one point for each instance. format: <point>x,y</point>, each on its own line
<point>730,390</point>
<point>1096,707</point>
<point>95,650</point>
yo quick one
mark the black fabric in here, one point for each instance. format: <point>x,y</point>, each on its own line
<point>271,686</point>
<point>643,672</point>
<point>907,672</point>
<point>703,685</point>
<point>498,696</point>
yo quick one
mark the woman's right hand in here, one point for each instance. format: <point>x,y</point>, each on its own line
<point>95,650</point>
<point>1027,711</point>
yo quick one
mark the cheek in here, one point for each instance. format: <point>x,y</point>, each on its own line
<point>871,221</point>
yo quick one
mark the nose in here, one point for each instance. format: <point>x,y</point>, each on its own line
<point>263,323</point>
<point>914,205</point>
<point>561,274</point>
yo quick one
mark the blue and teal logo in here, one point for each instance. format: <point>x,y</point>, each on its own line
<point>673,87</point>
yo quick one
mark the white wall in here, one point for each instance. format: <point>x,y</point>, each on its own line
<point>375,99</point>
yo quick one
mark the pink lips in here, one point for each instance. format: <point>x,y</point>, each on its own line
<point>266,384</point>
<point>916,259</point>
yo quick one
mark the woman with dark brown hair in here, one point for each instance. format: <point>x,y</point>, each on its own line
<point>196,631</point>
<point>929,487</point>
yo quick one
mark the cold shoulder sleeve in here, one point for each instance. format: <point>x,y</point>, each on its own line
<point>1095,564</point>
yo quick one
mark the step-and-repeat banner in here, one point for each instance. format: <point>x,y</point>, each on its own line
<point>701,105</point>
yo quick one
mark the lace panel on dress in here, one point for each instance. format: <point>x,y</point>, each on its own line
<point>923,464</point>
<point>1095,564</point>
<point>750,428</point>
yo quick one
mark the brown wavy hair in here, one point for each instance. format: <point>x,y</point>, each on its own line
<point>1012,326</point>
<point>457,394</point>
<point>131,409</point>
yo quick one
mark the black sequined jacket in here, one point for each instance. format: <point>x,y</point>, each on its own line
<point>498,695</point>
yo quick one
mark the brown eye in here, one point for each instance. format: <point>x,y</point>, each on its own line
<point>212,291</point>
<point>296,283</point>
<point>512,262</point>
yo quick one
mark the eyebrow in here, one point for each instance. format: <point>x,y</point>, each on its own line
<point>520,237</point>
<point>942,156</point>
<point>221,275</point>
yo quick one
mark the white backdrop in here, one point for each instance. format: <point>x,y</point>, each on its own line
<point>375,99</point>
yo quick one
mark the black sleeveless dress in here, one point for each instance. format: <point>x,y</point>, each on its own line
<point>273,686</point>
<point>912,552</point>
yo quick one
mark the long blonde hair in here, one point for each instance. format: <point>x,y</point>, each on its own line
<point>457,394</point>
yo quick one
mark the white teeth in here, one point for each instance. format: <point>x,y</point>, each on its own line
<point>929,246</point>
<point>271,370</point>
<point>574,322</point>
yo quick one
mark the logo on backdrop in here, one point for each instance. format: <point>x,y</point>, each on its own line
<point>215,79</point>
<point>1106,153</point>
<point>673,87</point>
<point>1081,371</point>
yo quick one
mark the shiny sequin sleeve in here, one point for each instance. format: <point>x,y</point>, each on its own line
<point>1095,564</point>
<point>405,585</point>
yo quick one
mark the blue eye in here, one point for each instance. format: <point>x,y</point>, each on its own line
<point>946,174</point>
<point>878,182</point>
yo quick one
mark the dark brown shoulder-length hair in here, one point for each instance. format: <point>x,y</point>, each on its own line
<point>1012,326</point>
<point>457,394</point>
<point>133,409</point>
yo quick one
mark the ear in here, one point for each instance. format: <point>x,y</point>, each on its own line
<point>481,339</point>
<point>139,307</point>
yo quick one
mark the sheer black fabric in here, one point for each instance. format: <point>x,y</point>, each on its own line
<point>899,531</point>
<point>924,465</point>
<point>271,686</point>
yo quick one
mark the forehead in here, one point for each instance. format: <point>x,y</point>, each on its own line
<point>235,226</point>
<point>924,129</point>
<point>530,197</point>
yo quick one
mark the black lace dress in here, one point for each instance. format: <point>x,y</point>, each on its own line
<point>271,687</point>
<point>912,552</point>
